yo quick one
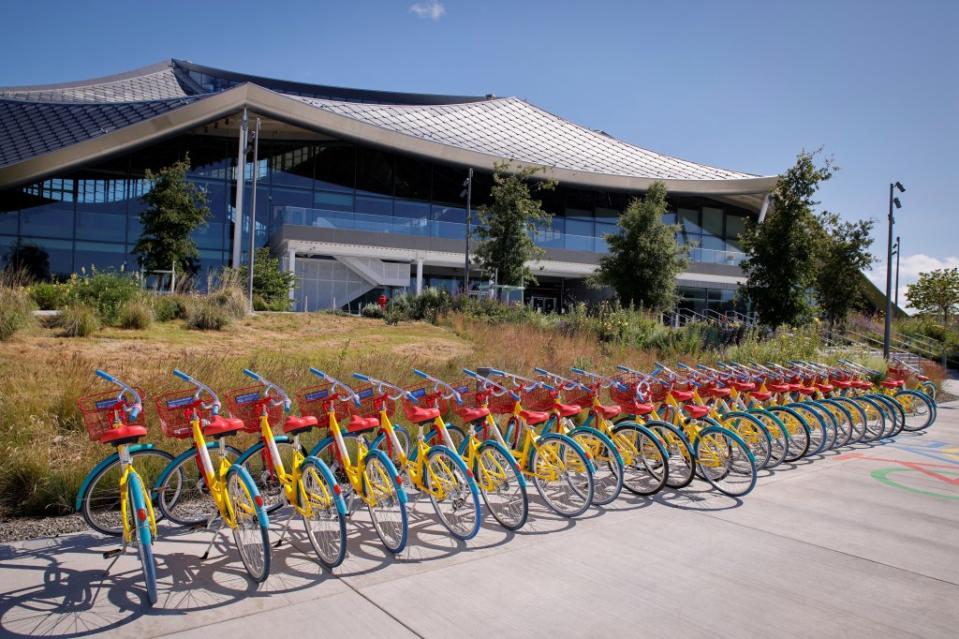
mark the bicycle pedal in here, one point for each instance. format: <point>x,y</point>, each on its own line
<point>112,553</point>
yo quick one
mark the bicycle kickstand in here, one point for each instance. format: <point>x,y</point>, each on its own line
<point>216,533</point>
<point>115,554</point>
<point>286,526</point>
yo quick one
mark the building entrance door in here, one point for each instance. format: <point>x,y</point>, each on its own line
<point>543,304</point>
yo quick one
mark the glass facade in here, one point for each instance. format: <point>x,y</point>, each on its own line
<point>91,217</point>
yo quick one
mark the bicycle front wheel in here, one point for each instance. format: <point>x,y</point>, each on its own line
<point>562,475</point>
<point>725,461</point>
<point>251,529</point>
<point>502,485</point>
<point>753,432</point>
<point>682,462</point>
<point>99,497</point>
<point>797,432</point>
<point>645,460</point>
<point>607,463</point>
<point>323,512</point>
<point>139,520</point>
<point>919,410</point>
<point>386,504</point>
<point>452,492</point>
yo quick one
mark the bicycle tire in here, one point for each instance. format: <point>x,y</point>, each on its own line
<point>875,418</point>
<point>325,516</point>
<point>187,502</point>
<point>760,441</point>
<point>716,445</point>
<point>502,485</point>
<point>99,497</point>
<point>251,534</point>
<point>682,461</point>
<point>255,459</point>
<point>606,460</point>
<point>818,431</point>
<point>857,417</point>
<point>797,430</point>
<point>844,421</point>
<point>556,453</point>
<point>142,534</point>
<point>924,420</point>
<point>380,482</point>
<point>894,414</point>
<point>645,460</point>
<point>778,433</point>
<point>460,510</point>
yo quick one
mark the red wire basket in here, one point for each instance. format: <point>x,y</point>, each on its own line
<point>176,409</point>
<point>582,397</point>
<point>102,411</point>
<point>502,404</point>
<point>472,396</point>
<point>247,404</point>
<point>539,399</point>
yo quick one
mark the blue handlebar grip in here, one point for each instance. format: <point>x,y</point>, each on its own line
<point>514,396</point>
<point>318,372</point>
<point>469,372</point>
<point>417,371</point>
<point>541,371</point>
<point>361,377</point>
<point>681,365</point>
<point>660,365</point>
<point>250,373</point>
<point>625,369</point>
<point>496,371</point>
<point>548,387</point>
<point>182,375</point>
<point>105,375</point>
<point>578,371</point>
<point>134,414</point>
<point>410,396</point>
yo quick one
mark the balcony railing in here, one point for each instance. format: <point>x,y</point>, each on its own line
<point>424,227</point>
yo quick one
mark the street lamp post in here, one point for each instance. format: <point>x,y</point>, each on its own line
<point>896,250</point>
<point>893,202</point>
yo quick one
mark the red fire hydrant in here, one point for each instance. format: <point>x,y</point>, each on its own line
<point>381,300</point>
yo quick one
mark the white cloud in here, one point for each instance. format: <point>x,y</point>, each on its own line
<point>433,9</point>
<point>910,266</point>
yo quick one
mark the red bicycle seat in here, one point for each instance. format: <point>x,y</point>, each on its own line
<point>842,383</point>
<point>719,392</point>
<point>533,417</point>
<point>863,384</point>
<point>610,411</point>
<point>779,388</point>
<point>922,378</point>
<point>761,395</point>
<point>892,383</point>
<point>220,426</point>
<point>743,387</point>
<point>419,415</point>
<point>696,411</point>
<point>357,423</point>
<point>805,390</point>
<point>682,396</point>
<point>636,408</point>
<point>294,424</point>
<point>123,433</point>
<point>826,388</point>
<point>473,414</point>
<point>567,410</point>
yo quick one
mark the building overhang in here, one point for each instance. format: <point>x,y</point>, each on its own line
<point>747,192</point>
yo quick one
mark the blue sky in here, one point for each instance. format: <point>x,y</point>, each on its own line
<point>743,85</point>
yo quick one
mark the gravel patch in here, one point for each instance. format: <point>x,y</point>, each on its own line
<point>20,528</point>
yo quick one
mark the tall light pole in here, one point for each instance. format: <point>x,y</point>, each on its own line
<point>893,202</point>
<point>896,249</point>
<point>256,176</point>
<point>238,205</point>
<point>468,192</point>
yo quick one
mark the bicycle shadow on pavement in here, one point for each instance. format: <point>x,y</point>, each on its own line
<point>696,498</point>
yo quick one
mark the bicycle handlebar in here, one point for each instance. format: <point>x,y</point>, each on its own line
<point>381,384</point>
<point>568,383</point>
<point>454,394</point>
<point>489,382</point>
<point>283,397</point>
<point>350,393</point>
<point>201,388</point>
<point>137,407</point>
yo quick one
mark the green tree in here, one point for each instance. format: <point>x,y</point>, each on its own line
<point>175,208</point>
<point>843,254</point>
<point>508,222</point>
<point>780,265</point>
<point>644,258</point>
<point>271,286</point>
<point>936,292</point>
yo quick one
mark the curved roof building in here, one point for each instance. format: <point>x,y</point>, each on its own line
<point>354,187</point>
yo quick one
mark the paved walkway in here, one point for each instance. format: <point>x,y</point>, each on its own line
<point>862,543</point>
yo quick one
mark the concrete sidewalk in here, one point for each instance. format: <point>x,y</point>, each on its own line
<point>858,543</point>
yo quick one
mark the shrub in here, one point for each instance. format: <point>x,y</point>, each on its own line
<point>16,311</point>
<point>278,305</point>
<point>78,320</point>
<point>270,283</point>
<point>208,315</point>
<point>106,293</point>
<point>430,304</point>
<point>136,314</point>
<point>230,300</point>
<point>50,296</point>
<point>399,308</point>
<point>170,307</point>
<point>372,310</point>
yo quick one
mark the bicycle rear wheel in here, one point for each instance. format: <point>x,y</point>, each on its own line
<point>387,504</point>
<point>818,431</point>
<point>453,493</point>
<point>857,418</point>
<point>682,461</point>
<point>502,485</point>
<point>875,418</point>
<point>257,461</point>
<point>645,460</point>
<point>797,430</point>
<point>607,463</point>
<point>99,497</point>
<point>778,436</point>
<point>251,530</point>
<point>324,513</point>
<point>725,461</point>
<point>562,475</point>
<point>753,433</point>
<point>919,410</point>
<point>139,521</point>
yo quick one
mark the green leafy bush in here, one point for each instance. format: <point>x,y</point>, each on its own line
<point>279,305</point>
<point>136,314</point>
<point>170,307</point>
<point>208,315</point>
<point>16,311</point>
<point>372,310</point>
<point>106,293</point>
<point>270,283</point>
<point>78,320</point>
<point>50,296</point>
